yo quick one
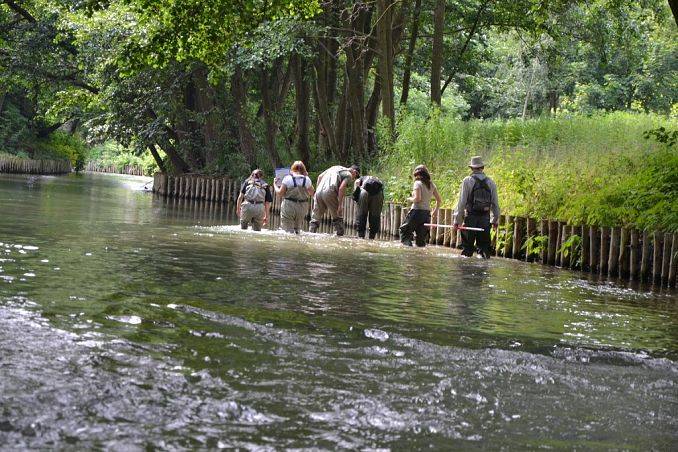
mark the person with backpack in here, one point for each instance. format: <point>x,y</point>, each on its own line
<point>368,193</point>
<point>295,189</point>
<point>254,201</point>
<point>478,207</point>
<point>331,189</point>
<point>420,213</point>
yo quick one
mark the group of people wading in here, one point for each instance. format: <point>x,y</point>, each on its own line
<point>476,212</point>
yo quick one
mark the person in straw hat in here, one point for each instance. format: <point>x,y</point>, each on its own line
<point>478,207</point>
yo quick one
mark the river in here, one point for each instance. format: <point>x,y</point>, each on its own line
<point>128,323</point>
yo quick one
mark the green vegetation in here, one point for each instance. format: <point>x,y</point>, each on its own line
<point>111,153</point>
<point>597,169</point>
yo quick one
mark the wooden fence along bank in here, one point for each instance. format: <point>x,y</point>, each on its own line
<point>127,169</point>
<point>28,166</point>
<point>609,252</point>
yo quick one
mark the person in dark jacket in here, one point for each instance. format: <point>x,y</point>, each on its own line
<point>478,207</point>
<point>369,194</point>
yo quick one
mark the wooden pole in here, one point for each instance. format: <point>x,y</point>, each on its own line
<point>666,258</point>
<point>673,260</point>
<point>645,257</point>
<point>657,256</point>
<point>633,256</point>
<point>613,258</point>
<point>604,250</point>
<point>518,225</point>
<point>565,255</point>
<point>624,251</point>
<point>585,248</point>
<point>508,244</point>
<point>544,231</point>
<point>553,242</point>
<point>530,228</point>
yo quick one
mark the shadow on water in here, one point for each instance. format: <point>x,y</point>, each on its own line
<point>128,321</point>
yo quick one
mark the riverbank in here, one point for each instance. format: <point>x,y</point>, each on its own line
<point>598,170</point>
<point>16,165</point>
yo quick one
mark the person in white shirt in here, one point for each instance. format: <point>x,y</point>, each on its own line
<point>295,189</point>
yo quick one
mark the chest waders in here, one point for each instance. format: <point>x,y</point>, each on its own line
<point>294,206</point>
<point>253,208</point>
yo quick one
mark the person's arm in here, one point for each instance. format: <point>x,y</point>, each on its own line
<point>461,205</point>
<point>310,189</point>
<point>280,191</point>
<point>416,194</point>
<point>340,196</point>
<point>238,205</point>
<point>320,178</point>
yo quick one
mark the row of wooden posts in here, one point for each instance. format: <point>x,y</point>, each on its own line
<point>611,252</point>
<point>127,169</point>
<point>17,165</point>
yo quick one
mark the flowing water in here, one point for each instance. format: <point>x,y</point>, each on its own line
<point>130,323</point>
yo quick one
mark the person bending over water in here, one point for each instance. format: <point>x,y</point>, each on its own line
<point>368,193</point>
<point>254,201</point>
<point>420,212</point>
<point>295,189</point>
<point>332,184</point>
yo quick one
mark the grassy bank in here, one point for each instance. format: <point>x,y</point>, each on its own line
<point>58,146</point>
<point>597,170</point>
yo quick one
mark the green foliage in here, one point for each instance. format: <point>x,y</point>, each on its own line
<point>535,245</point>
<point>111,153</point>
<point>596,170</point>
<point>572,248</point>
<point>63,145</point>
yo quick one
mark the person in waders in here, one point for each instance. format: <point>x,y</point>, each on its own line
<point>331,190</point>
<point>254,201</point>
<point>478,207</point>
<point>368,193</point>
<point>295,190</point>
<point>420,213</point>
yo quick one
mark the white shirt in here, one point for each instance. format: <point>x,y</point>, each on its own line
<point>289,183</point>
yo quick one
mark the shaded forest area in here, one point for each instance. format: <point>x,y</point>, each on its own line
<point>218,87</point>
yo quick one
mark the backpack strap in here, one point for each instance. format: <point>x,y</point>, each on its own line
<point>294,181</point>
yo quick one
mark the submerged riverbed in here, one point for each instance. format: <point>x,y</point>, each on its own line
<point>127,322</point>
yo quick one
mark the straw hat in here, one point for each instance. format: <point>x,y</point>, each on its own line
<point>476,162</point>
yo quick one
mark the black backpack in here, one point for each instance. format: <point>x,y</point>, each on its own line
<point>480,200</point>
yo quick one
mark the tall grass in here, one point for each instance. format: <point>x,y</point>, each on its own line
<point>112,153</point>
<point>595,169</point>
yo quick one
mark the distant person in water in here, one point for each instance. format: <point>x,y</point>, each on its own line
<point>254,201</point>
<point>369,194</point>
<point>478,207</point>
<point>331,190</point>
<point>420,213</point>
<point>295,190</point>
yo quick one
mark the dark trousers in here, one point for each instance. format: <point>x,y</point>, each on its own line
<point>414,223</point>
<point>472,241</point>
<point>369,206</point>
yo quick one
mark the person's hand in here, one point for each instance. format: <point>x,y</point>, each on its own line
<point>340,211</point>
<point>455,227</point>
<point>434,215</point>
<point>239,212</point>
<point>276,181</point>
<point>264,221</point>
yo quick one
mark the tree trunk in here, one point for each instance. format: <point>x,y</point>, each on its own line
<point>205,106</point>
<point>371,117</point>
<point>156,157</point>
<point>245,137</point>
<point>528,91</point>
<point>437,51</point>
<point>385,67</point>
<point>301,97</point>
<point>674,9</point>
<point>269,119</point>
<point>407,72</point>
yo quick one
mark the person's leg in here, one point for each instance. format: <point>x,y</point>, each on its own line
<point>287,215</point>
<point>319,209</point>
<point>421,231</point>
<point>257,217</point>
<point>468,238</point>
<point>483,241</point>
<point>376,203</point>
<point>300,209</point>
<point>246,215</point>
<point>361,213</point>
<point>332,203</point>
<point>407,229</point>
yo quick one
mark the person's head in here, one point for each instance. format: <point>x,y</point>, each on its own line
<point>257,174</point>
<point>421,173</point>
<point>476,164</point>
<point>299,168</point>
<point>355,171</point>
